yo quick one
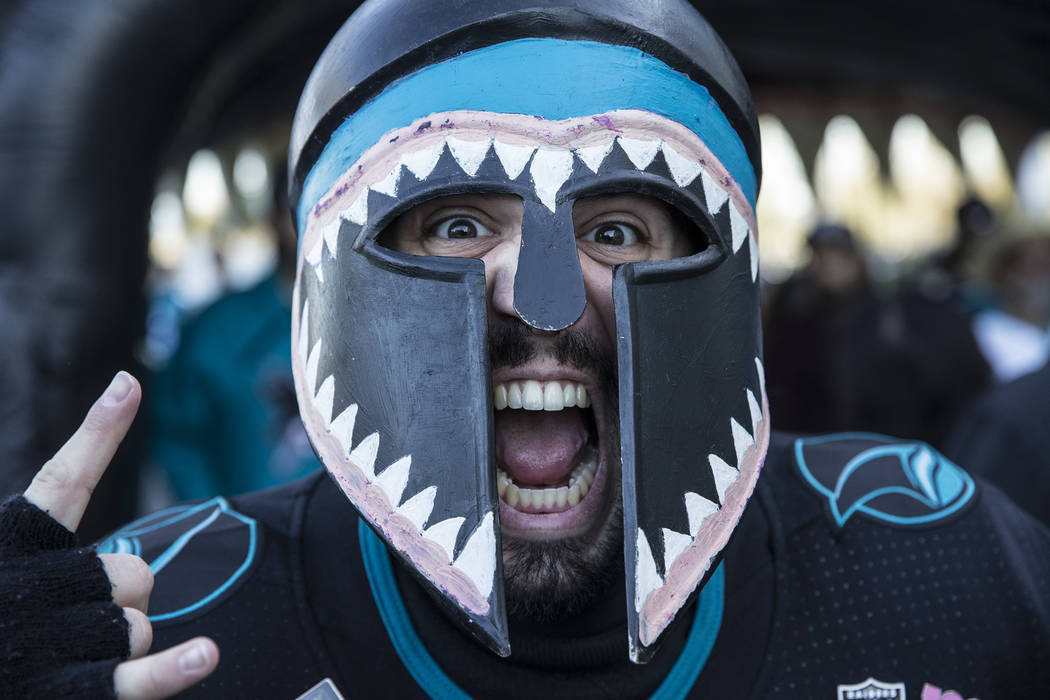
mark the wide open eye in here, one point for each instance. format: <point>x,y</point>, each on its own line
<point>458,228</point>
<point>613,234</point>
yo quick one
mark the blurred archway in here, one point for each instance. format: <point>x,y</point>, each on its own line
<point>98,101</point>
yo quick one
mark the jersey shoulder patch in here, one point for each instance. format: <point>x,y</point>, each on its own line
<point>200,553</point>
<point>902,483</point>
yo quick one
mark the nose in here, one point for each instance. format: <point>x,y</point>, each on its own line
<point>541,282</point>
<point>501,266</point>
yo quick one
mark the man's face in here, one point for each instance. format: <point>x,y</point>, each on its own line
<point>554,393</point>
<point>837,268</point>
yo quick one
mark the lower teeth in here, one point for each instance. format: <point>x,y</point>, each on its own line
<point>550,499</point>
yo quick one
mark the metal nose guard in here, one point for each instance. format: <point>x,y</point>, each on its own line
<point>549,294</point>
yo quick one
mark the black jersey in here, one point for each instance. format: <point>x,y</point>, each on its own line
<point>862,568</point>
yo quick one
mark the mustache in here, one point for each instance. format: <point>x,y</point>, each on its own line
<point>513,344</point>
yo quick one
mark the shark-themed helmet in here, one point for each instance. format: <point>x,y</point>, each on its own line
<point>552,101</point>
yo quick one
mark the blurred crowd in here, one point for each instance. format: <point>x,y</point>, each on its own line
<point>951,350</point>
<point>222,411</point>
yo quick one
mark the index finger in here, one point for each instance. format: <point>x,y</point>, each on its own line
<point>64,485</point>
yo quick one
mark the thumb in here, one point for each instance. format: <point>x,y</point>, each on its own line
<point>168,672</point>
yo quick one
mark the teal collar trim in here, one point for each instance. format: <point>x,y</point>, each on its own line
<point>435,683</point>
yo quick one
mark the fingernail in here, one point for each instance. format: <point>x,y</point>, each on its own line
<point>118,389</point>
<point>193,660</point>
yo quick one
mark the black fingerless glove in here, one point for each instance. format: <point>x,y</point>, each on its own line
<point>61,634</point>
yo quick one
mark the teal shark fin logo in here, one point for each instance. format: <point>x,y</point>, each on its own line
<point>898,482</point>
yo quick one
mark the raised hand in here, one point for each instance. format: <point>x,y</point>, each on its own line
<point>34,550</point>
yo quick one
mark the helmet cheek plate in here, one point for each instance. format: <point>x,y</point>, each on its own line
<point>390,350</point>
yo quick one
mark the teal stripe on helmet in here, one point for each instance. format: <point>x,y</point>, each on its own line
<point>548,78</point>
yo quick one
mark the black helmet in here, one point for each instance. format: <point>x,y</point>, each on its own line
<point>552,102</point>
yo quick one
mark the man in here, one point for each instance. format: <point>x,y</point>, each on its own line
<point>1002,438</point>
<point>223,408</point>
<point>807,317</point>
<point>1014,334</point>
<point>526,349</point>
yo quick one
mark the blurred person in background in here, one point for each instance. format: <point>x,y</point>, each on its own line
<point>225,419</point>
<point>844,358</point>
<point>1004,438</point>
<point>1014,335</point>
<point>949,273</point>
<point>907,365</point>
<point>804,325</point>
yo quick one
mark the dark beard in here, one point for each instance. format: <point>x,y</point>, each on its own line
<point>556,579</point>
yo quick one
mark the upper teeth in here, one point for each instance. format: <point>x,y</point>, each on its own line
<point>540,396</point>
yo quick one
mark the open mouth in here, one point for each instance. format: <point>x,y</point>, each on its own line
<point>550,499</point>
<point>550,474</point>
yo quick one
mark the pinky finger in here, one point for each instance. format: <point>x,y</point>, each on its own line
<point>167,673</point>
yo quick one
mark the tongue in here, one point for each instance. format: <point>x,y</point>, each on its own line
<point>539,448</point>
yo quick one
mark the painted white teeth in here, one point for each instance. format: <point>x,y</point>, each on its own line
<point>674,544</point>
<point>698,508</point>
<point>422,162</point>
<point>724,475</point>
<point>593,156</point>
<point>330,234</point>
<point>468,154</point>
<point>640,151</point>
<point>312,364</point>
<point>533,395</point>
<point>550,169</point>
<point>647,579</point>
<point>477,558</point>
<point>714,194</point>
<point>754,254</point>
<point>512,158</point>
<point>313,256</point>
<point>551,498</point>
<point>683,170</point>
<point>388,185</point>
